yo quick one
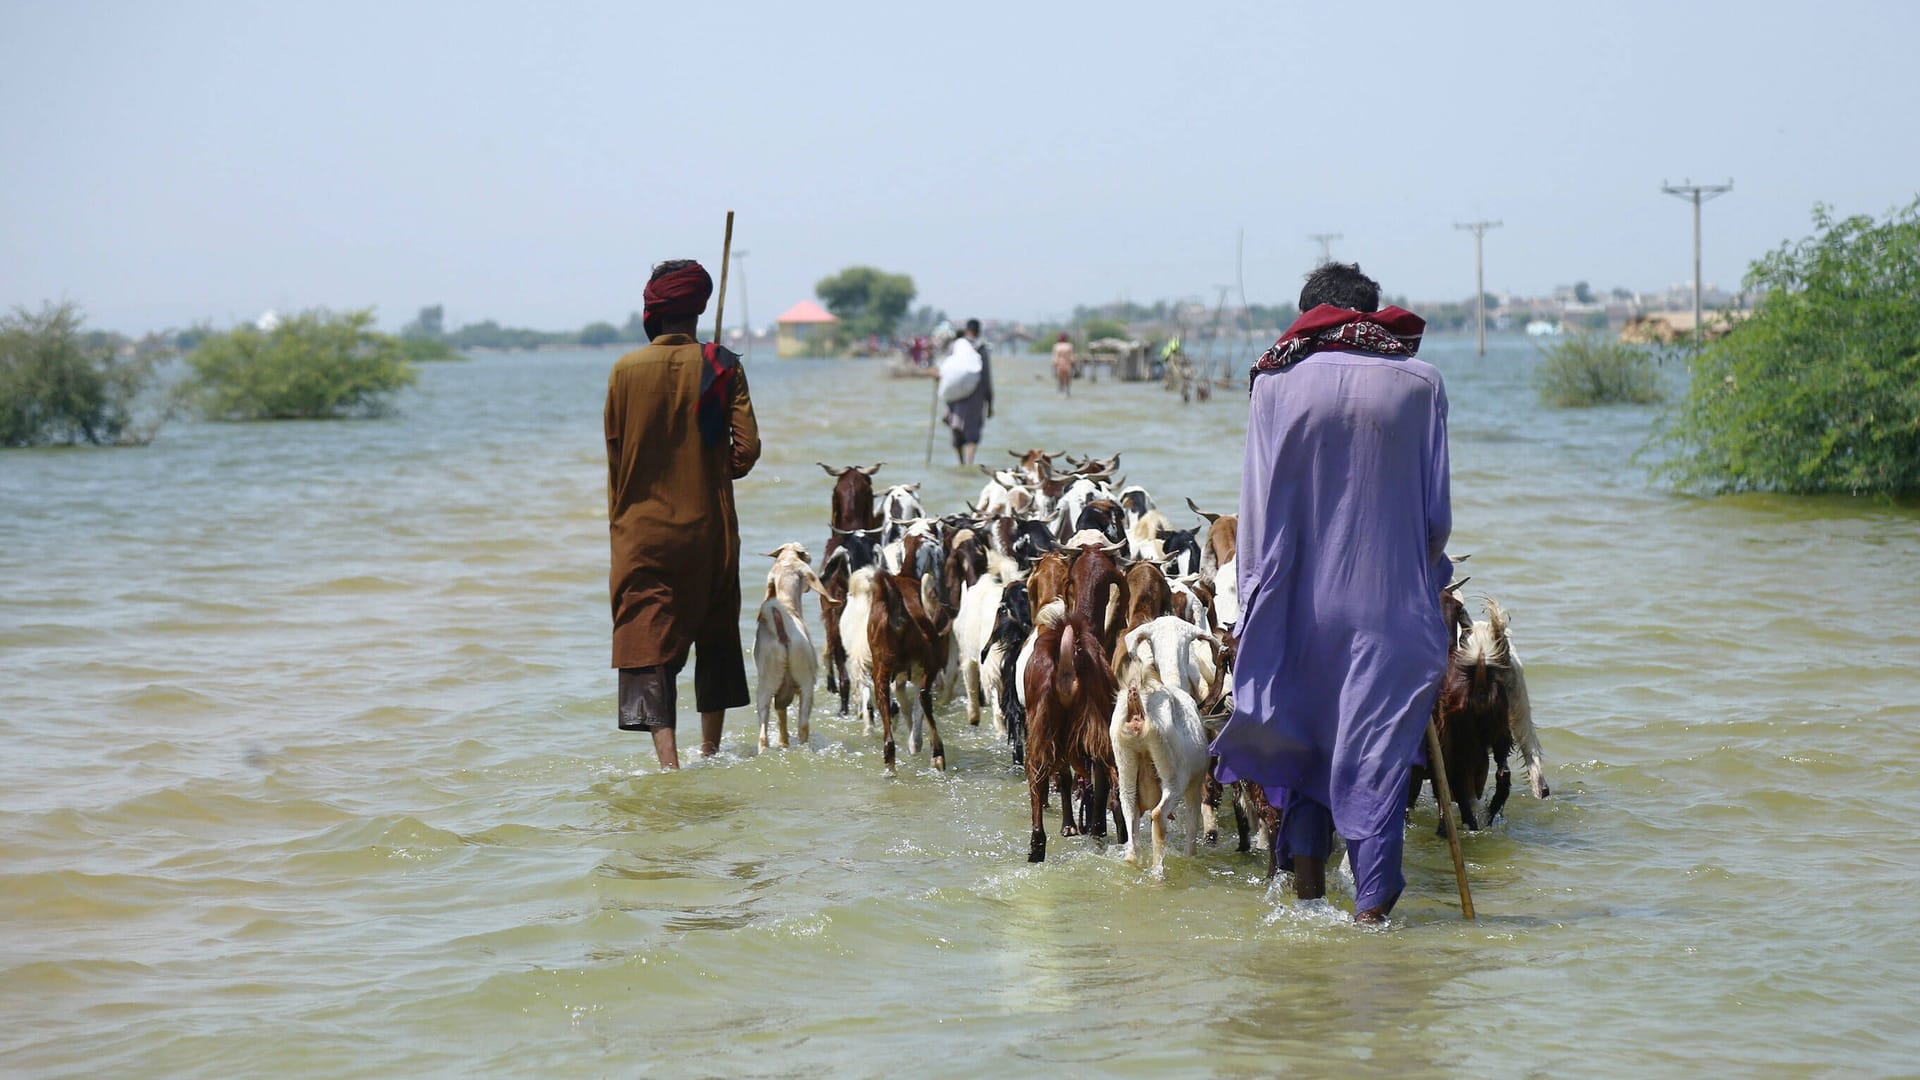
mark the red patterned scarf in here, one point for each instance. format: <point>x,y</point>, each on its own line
<point>718,367</point>
<point>1391,331</point>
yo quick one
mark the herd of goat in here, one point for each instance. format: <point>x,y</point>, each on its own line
<point>1096,636</point>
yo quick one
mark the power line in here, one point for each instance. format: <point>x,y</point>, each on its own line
<point>1698,193</point>
<point>1325,240</point>
<point>1479,229</point>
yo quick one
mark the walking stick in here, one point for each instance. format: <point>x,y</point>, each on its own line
<point>933,421</point>
<point>1442,792</point>
<point>720,303</point>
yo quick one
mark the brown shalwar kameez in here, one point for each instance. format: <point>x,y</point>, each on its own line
<point>676,541</point>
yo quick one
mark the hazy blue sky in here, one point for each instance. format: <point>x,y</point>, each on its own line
<point>528,162</point>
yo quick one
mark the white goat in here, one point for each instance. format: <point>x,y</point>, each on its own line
<point>853,637</point>
<point>1187,603</point>
<point>1143,535</point>
<point>1489,637</point>
<point>1160,752</point>
<point>973,629</point>
<point>1226,592</point>
<point>899,505</point>
<point>1179,654</point>
<point>782,652</point>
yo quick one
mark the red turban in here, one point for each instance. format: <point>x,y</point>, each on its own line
<point>678,294</point>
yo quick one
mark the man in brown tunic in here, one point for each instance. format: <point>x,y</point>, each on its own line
<point>680,431</point>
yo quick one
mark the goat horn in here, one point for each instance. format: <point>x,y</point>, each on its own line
<point>831,471</point>
<point>1195,507</point>
<point>1455,587</point>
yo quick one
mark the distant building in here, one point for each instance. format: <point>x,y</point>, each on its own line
<point>800,330</point>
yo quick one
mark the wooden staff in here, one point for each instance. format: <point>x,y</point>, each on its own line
<point>720,303</point>
<point>933,421</point>
<point>1437,765</point>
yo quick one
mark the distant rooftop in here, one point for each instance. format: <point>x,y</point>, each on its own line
<point>806,311</point>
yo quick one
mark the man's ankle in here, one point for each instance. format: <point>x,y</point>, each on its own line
<point>1309,878</point>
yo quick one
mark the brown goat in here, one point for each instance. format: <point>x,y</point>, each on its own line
<point>1223,539</point>
<point>1070,695</point>
<point>1097,591</point>
<point>966,564</point>
<point>909,632</point>
<point>850,510</point>
<point>1048,580</point>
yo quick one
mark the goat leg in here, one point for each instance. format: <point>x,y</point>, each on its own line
<point>936,749</point>
<point>1102,795</point>
<point>1036,794</point>
<point>1064,779</point>
<point>883,689</point>
<point>1210,805</point>
<point>1502,785</point>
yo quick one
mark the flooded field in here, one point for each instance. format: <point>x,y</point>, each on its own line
<point>308,766</point>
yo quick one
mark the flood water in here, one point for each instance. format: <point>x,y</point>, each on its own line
<point>308,766</point>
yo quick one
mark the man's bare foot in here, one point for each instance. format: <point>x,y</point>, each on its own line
<point>1373,916</point>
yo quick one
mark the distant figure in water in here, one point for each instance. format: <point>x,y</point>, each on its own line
<point>1344,515</point>
<point>967,415</point>
<point>680,431</point>
<point>1063,364</point>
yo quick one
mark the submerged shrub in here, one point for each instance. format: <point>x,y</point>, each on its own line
<point>1587,369</point>
<point>316,364</point>
<point>61,384</point>
<point>1819,390</point>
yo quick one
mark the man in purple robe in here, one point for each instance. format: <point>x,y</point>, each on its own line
<point>1344,516</point>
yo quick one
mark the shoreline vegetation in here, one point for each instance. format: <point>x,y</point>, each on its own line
<point>1814,389</point>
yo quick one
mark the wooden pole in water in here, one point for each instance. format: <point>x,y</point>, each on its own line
<point>1437,765</point>
<point>720,302</point>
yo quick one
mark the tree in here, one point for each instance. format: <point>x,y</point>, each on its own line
<point>312,365</point>
<point>599,333</point>
<point>62,384</point>
<point>1819,389</point>
<point>1582,292</point>
<point>635,330</point>
<point>430,324</point>
<point>867,301</point>
<point>1094,329</point>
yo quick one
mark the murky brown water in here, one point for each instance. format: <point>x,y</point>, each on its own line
<point>307,765</point>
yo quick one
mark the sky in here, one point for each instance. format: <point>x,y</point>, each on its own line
<point>163,163</point>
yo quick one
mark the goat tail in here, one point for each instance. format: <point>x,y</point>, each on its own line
<point>1066,676</point>
<point>1497,622</point>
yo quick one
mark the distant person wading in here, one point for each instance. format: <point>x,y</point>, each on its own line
<point>680,430</point>
<point>966,384</point>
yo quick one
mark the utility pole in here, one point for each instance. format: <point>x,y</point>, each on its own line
<point>1325,240</point>
<point>1479,229</point>
<point>740,261</point>
<point>1699,193</point>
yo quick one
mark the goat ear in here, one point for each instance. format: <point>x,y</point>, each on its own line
<point>813,582</point>
<point>774,554</point>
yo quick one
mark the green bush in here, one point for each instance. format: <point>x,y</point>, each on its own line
<point>427,351</point>
<point>1095,329</point>
<point>315,364</point>
<point>1588,369</point>
<point>1819,390</point>
<point>60,384</point>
